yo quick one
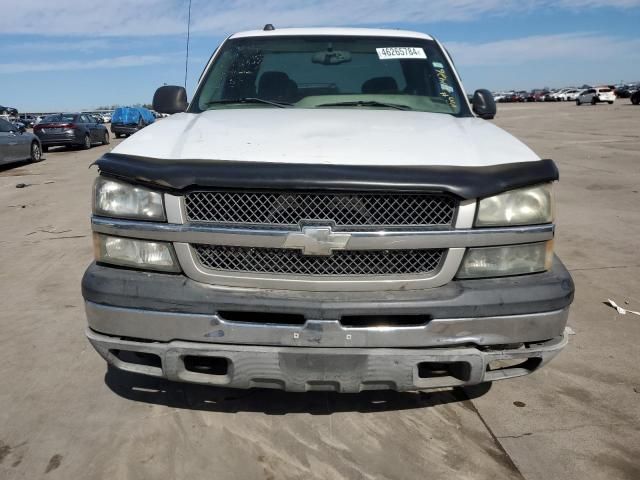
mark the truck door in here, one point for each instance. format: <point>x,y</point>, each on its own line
<point>8,142</point>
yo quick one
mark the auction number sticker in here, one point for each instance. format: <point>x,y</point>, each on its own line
<point>394,53</point>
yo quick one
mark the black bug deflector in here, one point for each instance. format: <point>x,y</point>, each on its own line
<point>465,182</point>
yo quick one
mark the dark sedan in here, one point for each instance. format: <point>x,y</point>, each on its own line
<point>27,120</point>
<point>71,130</point>
<point>16,145</point>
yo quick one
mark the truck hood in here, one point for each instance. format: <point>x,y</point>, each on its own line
<point>328,136</point>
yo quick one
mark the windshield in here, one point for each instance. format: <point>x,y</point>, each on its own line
<point>59,118</point>
<point>331,72</point>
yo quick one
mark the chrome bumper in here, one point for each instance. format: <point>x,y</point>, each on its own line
<point>164,326</point>
<point>333,369</point>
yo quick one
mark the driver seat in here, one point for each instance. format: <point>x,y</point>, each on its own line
<point>277,87</point>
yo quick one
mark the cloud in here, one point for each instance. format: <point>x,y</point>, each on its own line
<point>113,18</point>
<point>573,4</point>
<point>581,46</point>
<point>60,46</point>
<point>253,14</point>
<point>168,17</point>
<point>104,63</point>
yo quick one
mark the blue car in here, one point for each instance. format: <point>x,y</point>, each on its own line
<point>128,120</point>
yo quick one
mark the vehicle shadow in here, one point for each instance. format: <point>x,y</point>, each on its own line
<point>141,388</point>
<point>13,165</point>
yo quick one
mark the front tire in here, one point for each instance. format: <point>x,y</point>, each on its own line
<point>578,102</point>
<point>107,138</point>
<point>87,142</point>
<point>610,103</point>
<point>594,101</point>
<point>36,152</point>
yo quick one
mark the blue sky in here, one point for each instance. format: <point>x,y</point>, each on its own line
<point>78,55</point>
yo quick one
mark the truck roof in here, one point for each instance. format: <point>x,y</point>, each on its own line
<point>365,32</point>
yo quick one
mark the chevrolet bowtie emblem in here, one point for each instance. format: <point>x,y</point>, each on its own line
<point>317,240</point>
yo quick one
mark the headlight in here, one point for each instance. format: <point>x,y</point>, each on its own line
<point>507,260</point>
<point>113,198</point>
<point>524,206</point>
<point>129,252</point>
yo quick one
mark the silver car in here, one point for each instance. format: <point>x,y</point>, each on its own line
<point>16,145</point>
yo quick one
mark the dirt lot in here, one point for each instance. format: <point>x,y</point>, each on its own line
<point>62,416</point>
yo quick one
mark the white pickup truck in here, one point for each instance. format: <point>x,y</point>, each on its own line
<point>329,212</point>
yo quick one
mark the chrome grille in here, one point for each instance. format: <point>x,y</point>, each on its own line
<point>342,262</point>
<point>343,209</point>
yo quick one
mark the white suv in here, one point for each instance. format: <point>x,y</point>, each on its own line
<point>595,95</point>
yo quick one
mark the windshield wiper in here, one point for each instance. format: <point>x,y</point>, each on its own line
<point>249,100</point>
<point>366,103</point>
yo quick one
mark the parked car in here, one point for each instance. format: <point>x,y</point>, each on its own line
<point>623,91</point>
<point>97,116</point>
<point>27,120</point>
<point>287,230</point>
<point>561,95</point>
<point>553,95</point>
<point>21,127</point>
<point>106,116</point>
<point>570,95</point>
<point>16,145</point>
<point>500,96</point>
<point>128,120</point>
<point>536,95</point>
<point>10,111</point>
<point>596,95</point>
<point>71,130</point>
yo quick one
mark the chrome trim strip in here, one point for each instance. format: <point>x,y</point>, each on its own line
<point>167,326</point>
<point>174,206</point>
<point>362,240</point>
<point>193,269</point>
<point>466,214</point>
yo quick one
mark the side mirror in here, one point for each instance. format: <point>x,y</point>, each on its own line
<point>483,104</point>
<point>170,99</point>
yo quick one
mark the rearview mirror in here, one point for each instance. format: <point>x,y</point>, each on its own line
<point>331,57</point>
<point>170,99</point>
<point>483,104</point>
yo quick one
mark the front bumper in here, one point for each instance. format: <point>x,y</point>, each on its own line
<point>164,307</point>
<point>161,326</point>
<point>464,325</point>
<point>347,370</point>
